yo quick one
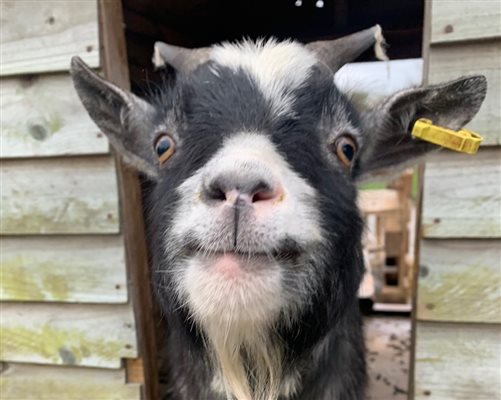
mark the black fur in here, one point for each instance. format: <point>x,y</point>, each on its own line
<point>212,109</point>
<point>324,342</point>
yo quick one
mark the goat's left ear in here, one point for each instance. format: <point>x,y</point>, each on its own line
<point>126,119</point>
<point>386,139</point>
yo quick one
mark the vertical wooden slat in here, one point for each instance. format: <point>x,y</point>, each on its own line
<point>419,209</point>
<point>115,68</point>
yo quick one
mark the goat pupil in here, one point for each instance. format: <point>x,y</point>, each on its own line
<point>162,146</point>
<point>348,151</point>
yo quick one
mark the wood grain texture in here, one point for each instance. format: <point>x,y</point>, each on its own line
<point>484,58</point>
<point>42,116</point>
<point>378,201</point>
<point>53,196</point>
<point>134,368</point>
<point>69,334</point>
<point>47,35</point>
<point>64,269</point>
<point>457,361</point>
<point>453,20</point>
<point>115,68</point>
<point>35,382</point>
<point>462,195</point>
<point>460,281</point>
<point>419,206</point>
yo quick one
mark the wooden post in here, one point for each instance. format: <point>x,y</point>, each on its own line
<point>115,67</point>
<point>419,208</point>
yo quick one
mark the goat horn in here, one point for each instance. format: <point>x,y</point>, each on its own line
<point>180,58</point>
<point>336,53</point>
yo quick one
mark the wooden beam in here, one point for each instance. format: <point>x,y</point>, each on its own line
<point>419,205</point>
<point>114,61</point>
<point>135,370</point>
<point>378,201</point>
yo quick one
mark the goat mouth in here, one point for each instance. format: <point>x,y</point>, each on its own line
<point>286,253</point>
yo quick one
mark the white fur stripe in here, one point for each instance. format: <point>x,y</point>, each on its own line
<point>278,68</point>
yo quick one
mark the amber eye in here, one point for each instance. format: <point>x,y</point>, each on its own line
<point>346,149</point>
<point>164,147</point>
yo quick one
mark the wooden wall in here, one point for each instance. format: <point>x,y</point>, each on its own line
<point>458,315</point>
<point>68,322</point>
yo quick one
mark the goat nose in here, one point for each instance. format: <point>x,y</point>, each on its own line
<point>225,189</point>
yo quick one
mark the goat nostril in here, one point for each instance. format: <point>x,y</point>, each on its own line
<point>215,193</point>
<point>263,196</point>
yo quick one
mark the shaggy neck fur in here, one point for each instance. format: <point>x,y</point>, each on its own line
<point>248,361</point>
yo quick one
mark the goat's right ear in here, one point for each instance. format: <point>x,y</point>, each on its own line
<point>126,119</point>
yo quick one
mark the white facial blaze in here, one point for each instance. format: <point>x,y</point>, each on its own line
<point>278,68</point>
<point>237,313</point>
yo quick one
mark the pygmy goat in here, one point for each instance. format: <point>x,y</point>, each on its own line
<point>255,231</point>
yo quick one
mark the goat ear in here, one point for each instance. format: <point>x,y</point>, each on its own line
<point>386,139</point>
<point>123,117</point>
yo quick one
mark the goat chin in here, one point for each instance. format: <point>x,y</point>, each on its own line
<point>247,359</point>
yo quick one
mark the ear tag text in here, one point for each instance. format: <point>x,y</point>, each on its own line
<point>463,140</point>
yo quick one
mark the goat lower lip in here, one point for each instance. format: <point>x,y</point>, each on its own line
<point>277,255</point>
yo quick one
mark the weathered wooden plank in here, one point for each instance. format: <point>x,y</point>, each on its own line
<point>453,20</point>
<point>458,59</point>
<point>42,116</point>
<point>85,269</point>
<point>457,361</point>
<point>69,334</point>
<point>49,196</point>
<point>462,195</point>
<point>460,280</point>
<point>43,36</point>
<point>36,382</point>
<point>378,201</point>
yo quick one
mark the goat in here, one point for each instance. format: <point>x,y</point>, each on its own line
<point>255,231</point>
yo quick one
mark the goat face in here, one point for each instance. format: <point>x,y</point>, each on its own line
<point>255,228</point>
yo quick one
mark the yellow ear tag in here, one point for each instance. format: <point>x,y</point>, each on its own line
<point>463,140</point>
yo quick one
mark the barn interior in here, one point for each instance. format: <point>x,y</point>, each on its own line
<point>199,23</point>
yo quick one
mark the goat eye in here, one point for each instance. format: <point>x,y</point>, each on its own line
<point>345,149</point>
<point>164,147</point>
